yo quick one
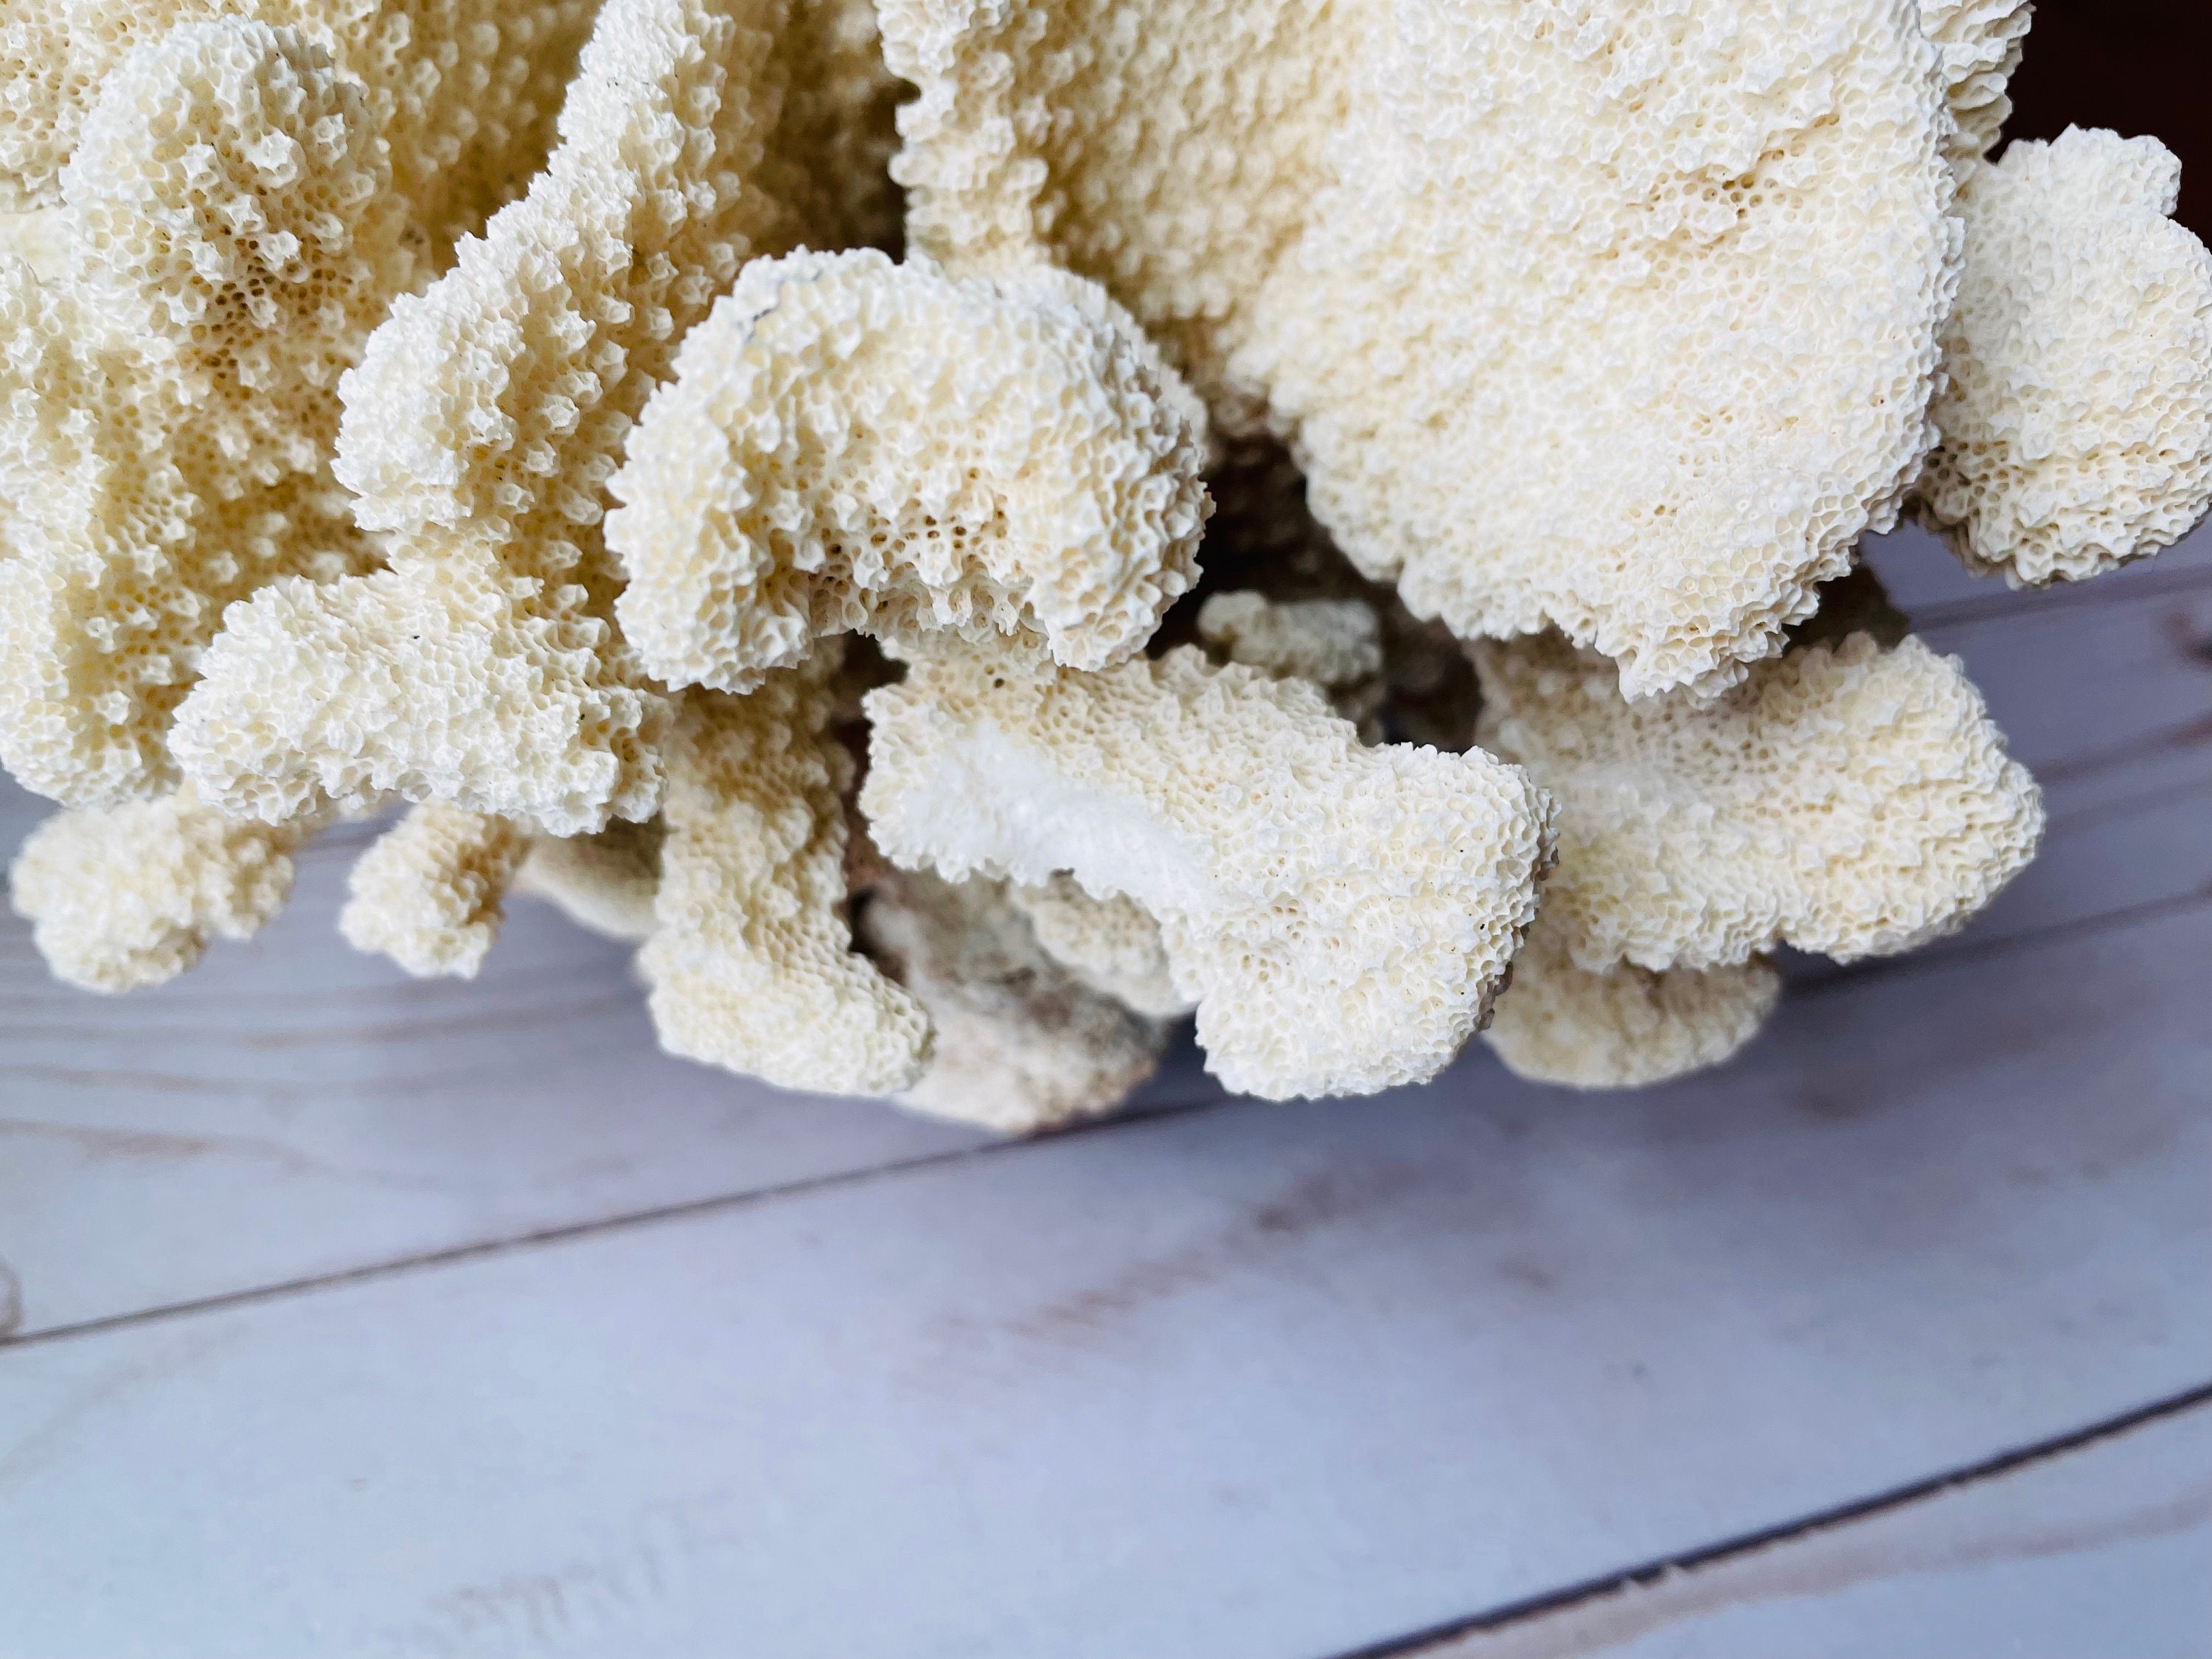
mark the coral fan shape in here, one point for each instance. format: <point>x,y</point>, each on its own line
<point>483,668</point>
<point>1683,265</point>
<point>750,961</point>
<point>551,416</point>
<point>127,897</point>
<point>1341,915</point>
<point>850,444</point>
<point>2077,422</point>
<point>1853,801</point>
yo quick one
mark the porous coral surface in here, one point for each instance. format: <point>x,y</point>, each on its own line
<point>967,532</point>
<point>2077,419</point>
<point>1474,257</point>
<point>1341,915</point>
<point>851,444</point>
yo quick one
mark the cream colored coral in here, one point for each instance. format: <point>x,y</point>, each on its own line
<point>1112,945</point>
<point>1335,643</point>
<point>483,668</point>
<point>751,962</point>
<point>464,91</point>
<point>228,235</point>
<point>1682,266</point>
<point>605,882</point>
<point>430,892</point>
<point>1626,1026</point>
<point>851,444</point>
<point>2077,424</point>
<point>231,191</point>
<point>1978,45</point>
<point>127,897</point>
<point>1341,915</point>
<point>1021,1043</point>
<point>1854,801</point>
<point>40,238</point>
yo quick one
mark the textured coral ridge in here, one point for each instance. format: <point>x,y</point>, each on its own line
<point>2077,422</point>
<point>1854,801</point>
<point>750,958</point>
<point>129,896</point>
<point>856,635</point>
<point>1341,917</point>
<point>851,444</point>
<point>483,668</point>
<point>1682,265</point>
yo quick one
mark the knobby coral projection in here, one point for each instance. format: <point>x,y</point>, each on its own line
<point>971,531</point>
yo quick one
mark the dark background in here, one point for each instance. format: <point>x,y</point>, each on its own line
<point>2136,66</point>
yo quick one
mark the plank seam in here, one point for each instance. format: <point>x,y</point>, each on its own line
<point>2010,607</point>
<point>480,1248</point>
<point>1930,958</point>
<point>1435,1637</point>
<point>431,1259</point>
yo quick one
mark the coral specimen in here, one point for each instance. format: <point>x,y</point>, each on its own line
<point>428,893</point>
<point>2077,422</point>
<point>128,895</point>
<point>1340,915</point>
<point>1021,1043</point>
<point>1337,517</point>
<point>852,444</point>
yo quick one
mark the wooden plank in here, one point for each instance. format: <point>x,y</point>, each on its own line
<point>2145,853</point>
<point>2092,694</point>
<point>2101,1550</point>
<point>1257,1381</point>
<point>293,1110</point>
<point>1924,577</point>
<point>293,1107</point>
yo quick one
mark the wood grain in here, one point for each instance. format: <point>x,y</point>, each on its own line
<point>2105,1549</point>
<point>490,1330</point>
<point>1255,1381</point>
<point>292,1111</point>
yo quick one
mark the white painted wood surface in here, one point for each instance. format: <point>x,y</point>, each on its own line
<point>1248,1381</point>
<point>1284,1381</point>
<point>292,1109</point>
<point>2104,1550</point>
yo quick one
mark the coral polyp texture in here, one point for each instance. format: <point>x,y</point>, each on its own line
<point>969,533</point>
